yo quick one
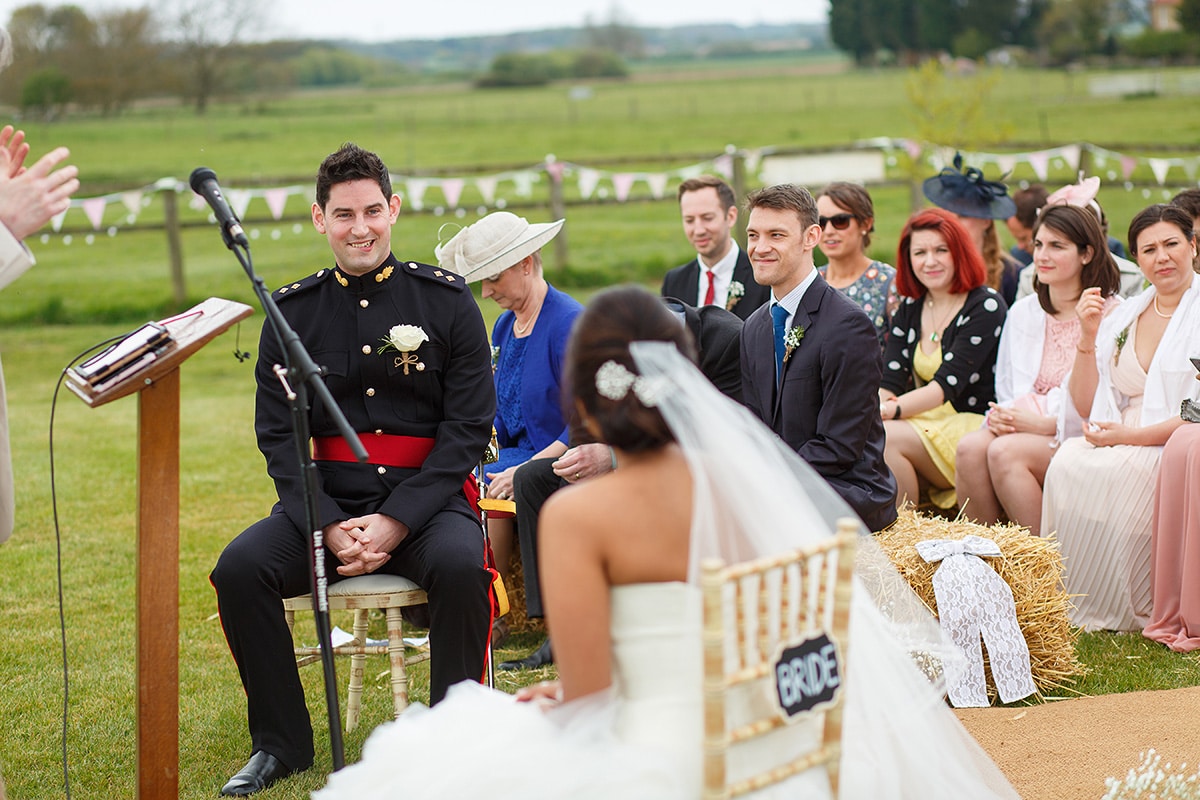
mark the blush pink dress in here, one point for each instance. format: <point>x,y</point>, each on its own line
<point>1099,501</point>
<point>1175,544</point>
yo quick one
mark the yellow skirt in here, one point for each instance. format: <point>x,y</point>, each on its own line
<point>940,429</point>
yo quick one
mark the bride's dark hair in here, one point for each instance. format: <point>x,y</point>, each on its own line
<point>614,318</point>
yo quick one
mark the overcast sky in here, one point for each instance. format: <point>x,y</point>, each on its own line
<point>420,19</point>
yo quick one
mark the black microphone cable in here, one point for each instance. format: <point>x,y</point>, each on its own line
<point>62,617</point>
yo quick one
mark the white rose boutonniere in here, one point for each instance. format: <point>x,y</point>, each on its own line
<point>736,292</point>
<point>405,339</point>
<point>791,340</point>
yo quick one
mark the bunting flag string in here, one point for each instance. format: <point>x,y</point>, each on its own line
<point>591,182</point>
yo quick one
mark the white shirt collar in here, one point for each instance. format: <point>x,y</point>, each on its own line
<point>791,300</point>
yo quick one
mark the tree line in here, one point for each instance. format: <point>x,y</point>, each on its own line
<point>1055,31</point>
<point>105,61</point>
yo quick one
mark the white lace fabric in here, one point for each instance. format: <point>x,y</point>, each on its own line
<point>974,602</point>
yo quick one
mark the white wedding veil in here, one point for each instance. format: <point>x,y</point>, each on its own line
<point>753,497</point>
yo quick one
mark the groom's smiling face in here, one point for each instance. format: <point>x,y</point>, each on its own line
<point>780,248</point>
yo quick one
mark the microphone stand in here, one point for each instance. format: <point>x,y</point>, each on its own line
<point>299,374</point>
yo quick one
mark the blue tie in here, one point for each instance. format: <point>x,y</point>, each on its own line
<point>779,315</point>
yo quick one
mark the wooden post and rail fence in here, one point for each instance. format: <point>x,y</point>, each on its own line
<point>737,168</point>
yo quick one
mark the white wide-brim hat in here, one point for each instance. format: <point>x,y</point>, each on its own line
<point>484,249</point>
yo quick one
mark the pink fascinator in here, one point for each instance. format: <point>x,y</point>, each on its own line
<point>1080,194</point>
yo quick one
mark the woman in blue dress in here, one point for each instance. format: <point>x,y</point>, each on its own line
<point>529,342</point>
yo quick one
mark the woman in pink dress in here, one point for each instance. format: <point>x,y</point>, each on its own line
<point>1175,545</point>
<point>1131,372</point>
<point>1001,466</point>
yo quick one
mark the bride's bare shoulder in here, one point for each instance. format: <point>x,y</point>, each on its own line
<point>646,486</point>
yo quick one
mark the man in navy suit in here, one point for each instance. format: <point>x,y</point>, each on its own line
<point>818,388</point>
<point>720,275</point>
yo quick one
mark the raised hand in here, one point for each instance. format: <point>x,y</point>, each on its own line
<point>13,149</point>
<point>33,196</point>
<point>1090,310</point>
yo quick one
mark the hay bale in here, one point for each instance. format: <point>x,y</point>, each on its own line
<point>1030,565</point>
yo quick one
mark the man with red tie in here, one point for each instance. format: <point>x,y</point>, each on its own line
<point>721,274</point>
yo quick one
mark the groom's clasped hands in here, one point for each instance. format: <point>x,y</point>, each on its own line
<point>364,544</point>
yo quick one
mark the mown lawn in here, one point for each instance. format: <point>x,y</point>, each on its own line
<point>82,292</point>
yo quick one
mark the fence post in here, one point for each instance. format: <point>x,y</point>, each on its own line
<point>558,210</point>
<point>737,160</point>
<point>168,188</point>
<point>1085,161</point>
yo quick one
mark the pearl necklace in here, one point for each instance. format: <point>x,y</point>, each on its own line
<point>1161,314</point>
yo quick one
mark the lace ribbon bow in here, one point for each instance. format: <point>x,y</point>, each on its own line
<point>972,600</point>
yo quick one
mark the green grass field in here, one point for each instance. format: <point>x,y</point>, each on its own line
<point>82,293</point>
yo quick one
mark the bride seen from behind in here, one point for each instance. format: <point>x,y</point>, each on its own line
<point>697,477</point>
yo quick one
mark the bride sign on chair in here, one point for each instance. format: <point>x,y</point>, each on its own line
<point>779,622</point>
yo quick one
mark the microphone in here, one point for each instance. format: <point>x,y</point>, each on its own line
<point>204,183</point>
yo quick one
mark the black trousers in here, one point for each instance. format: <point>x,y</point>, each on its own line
<point>269,561</point>
<point>533,484</point>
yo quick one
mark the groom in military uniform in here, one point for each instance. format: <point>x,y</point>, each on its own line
<point>406,356</point>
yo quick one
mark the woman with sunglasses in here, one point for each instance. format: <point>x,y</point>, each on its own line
<point>940,361</point>
<point>847,219</point>
<point>1001,466</point>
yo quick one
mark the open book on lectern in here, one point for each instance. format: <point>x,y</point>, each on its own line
<point>134,352</point>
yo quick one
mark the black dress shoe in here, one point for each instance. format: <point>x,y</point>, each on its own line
<point>262,770</point>
<point>538,658</point>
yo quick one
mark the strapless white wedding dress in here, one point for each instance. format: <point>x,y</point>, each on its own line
<point>641,739</point>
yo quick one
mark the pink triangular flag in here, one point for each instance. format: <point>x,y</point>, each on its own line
<point>913,149</point>
<point>94,208</point>
<point>724,165</point>
<point>1128,165</point>
<point>276,201</point>
<point>555,168</point>
<point>452,189</point>
<point>622,183</point>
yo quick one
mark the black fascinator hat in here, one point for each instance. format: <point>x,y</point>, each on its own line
<point>966,193</point>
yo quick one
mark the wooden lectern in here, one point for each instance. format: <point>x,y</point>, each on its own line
<point>157,385</point>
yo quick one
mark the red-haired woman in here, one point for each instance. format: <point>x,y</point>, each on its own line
<point>939,368</point>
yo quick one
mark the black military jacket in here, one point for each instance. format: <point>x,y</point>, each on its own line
<point>442,390</point>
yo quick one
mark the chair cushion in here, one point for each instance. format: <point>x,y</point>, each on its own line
<point>375,583</point>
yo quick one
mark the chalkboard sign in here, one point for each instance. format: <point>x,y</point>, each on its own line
<point>808,675</point>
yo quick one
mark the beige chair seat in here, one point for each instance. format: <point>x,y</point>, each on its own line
<point>361,594</point>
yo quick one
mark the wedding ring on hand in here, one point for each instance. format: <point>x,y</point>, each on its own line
<point>577,476</point>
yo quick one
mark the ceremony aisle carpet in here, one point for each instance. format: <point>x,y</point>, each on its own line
<point>1064,749</point>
